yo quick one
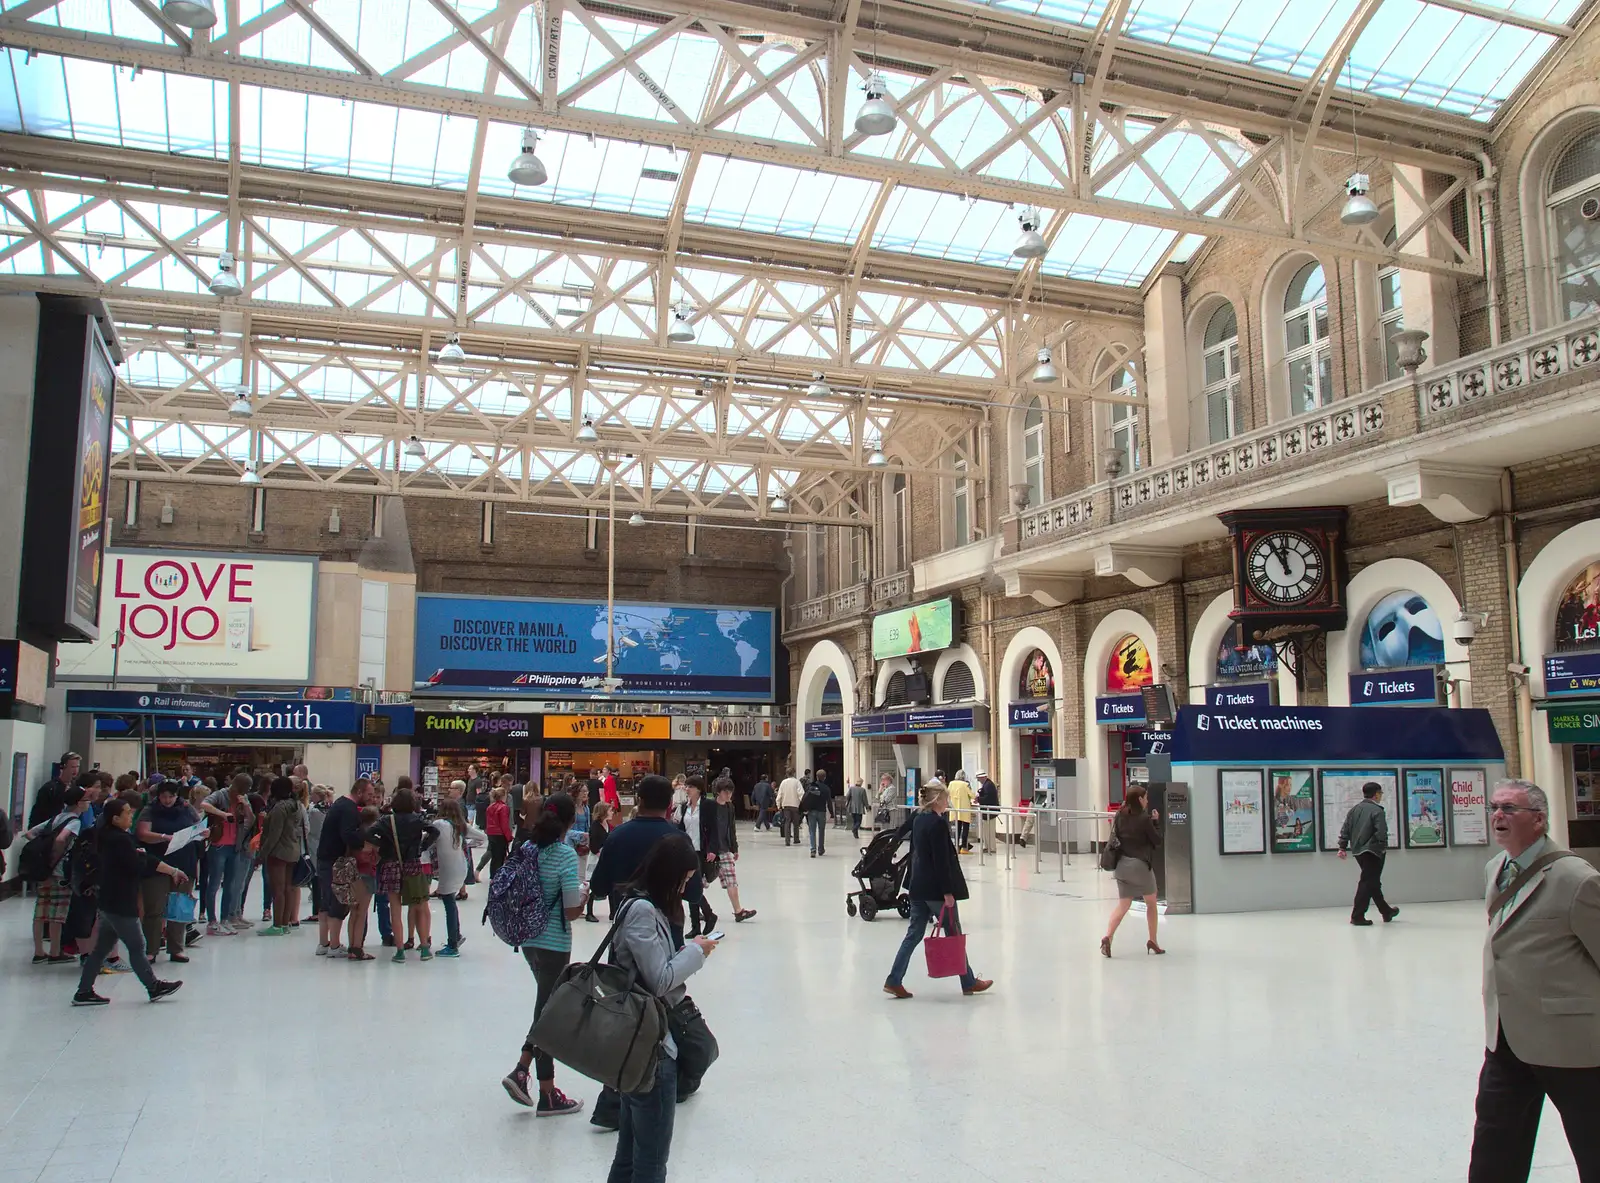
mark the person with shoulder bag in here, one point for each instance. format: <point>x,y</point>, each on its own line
<point>935,883</point>
<point>1134,839</point>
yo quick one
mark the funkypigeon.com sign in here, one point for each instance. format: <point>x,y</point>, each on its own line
<point>183,616</point>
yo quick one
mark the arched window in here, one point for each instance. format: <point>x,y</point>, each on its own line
<point>899,500</point>
<point>1305,327</point>
<point>817,546</point>
<point>961,506</point>
<point>958,684</point>
<point>1033,452</point>
<point>1125,423</point>
<point>894,694</point>
<point>1221,361</point>
<point>1575,226</point>
<point>1389,313</point>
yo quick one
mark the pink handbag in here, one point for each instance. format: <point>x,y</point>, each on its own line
<point>947,953</point>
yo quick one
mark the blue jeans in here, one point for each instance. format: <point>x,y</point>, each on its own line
<point>923,911</point>
<point>452,920</point>
<point>644,1138</point>
<point>817,829</point>
<point>385,929</point>
<point>233,886</point>
<point>764,819</point>
<point>218,860</point>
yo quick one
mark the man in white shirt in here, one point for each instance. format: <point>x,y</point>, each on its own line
<point>790,791</point>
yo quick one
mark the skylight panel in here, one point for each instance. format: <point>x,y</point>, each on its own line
<point>1182,160</point>
<point>595,173</point>
<point>947,226</point>
<point>1070,12</point>
<point>1104,250</point>
<point>775,199</point>
<point>763,116</point>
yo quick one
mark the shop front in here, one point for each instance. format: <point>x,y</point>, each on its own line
<point>1572,722</point>
<point>750,747</point>
<point>582,746</point>
<point>456,745</point>
<point>1119,714</point>
<point>220,736</point>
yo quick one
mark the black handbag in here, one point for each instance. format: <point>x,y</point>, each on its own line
<point>1111,852</point>
<point>697,1047</point>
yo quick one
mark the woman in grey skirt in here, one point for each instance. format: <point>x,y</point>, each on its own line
<point>1135,828</point>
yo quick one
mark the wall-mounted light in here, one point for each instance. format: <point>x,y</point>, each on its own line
<point>334,524</point>
<point>166,511</point>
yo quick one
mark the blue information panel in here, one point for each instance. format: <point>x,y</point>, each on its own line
<point>1244,694</point>
<point>1417,686</point>
<point>1029,714</point>
<point>147,702</point>
<point>1314,735</point>
<point>369,758</point>
<point>1567,674</point>
<point>8,667</point>
<point>824,729</point>
<point>551,648</point>
<point>931,719</point>
<point>1120,710</point>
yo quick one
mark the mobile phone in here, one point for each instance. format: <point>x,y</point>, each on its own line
<point>715,936</point>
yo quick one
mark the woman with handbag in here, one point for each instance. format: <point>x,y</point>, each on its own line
<point>1134,838</point>
<point>548,953</point>
<point>643,943</point>
<point>282,845</point>
<point>402,876</point>
<point>935,883</point>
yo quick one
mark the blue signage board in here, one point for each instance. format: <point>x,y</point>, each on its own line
<point>1029,714</point>
<point>1141,744</point>
<point>369,758</point>
<point>1567,674</point>
<point>244,718</point>
<point>8,667</point>
<point>824,729</point>
<point>1418,686</point>
<point>557,648</point>
<point>1244,694</point>
<point>968,718</point>
<point>1312,735</point>
<point>154,703</point>
<point>1120,710</point>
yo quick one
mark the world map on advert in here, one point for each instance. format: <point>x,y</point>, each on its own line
<point>660,633</point>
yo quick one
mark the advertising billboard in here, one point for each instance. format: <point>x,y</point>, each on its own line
<point>93,455</point>
<point>188,616</point>
<point>921,628</point>
<point>557,648</point>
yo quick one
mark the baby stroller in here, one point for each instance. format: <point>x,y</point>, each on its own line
<point>882,875</point>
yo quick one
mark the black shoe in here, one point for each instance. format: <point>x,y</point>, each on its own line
<point>605,1121</point>
<point>691,934</point>
<point>1363,922</point>
<point>1390,914</point>
<point>388,942</point>
<point>161,989</point>
<point>192,937</point>
<point>710,924</point>
<point>89,998</point>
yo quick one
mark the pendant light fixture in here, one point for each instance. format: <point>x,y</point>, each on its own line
<point>249,476</point>
<point>877,459</point>
<point>586,431</point>
<point>191,14</point>
<point>819,387</point>
<point>240,407</point>
<point>1031,244</point>
<point>637,519</point>
<point>452,354</point>
<point>1359,209</point>
<point>682,330</point>
<point>1045,369</point>
<point>779,503</point>
<point>225,282</point>
<point>876,117</point>
<point>414,448</point>
<point>526,168</point>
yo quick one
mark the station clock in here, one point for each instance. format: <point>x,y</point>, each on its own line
<point>1288,572</point>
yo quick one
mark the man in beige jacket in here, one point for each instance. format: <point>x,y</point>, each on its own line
<point>1541,994</point>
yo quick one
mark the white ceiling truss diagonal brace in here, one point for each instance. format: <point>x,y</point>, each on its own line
<point>934,170</point>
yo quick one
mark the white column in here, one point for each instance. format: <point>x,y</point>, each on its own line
<point>1165,381</point>
<point>19,341</point>
<point>1428,300</point>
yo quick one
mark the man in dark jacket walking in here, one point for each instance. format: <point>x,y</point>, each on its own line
<point>762,797</point>
<point>1365,834</point>
<point>817,805</point>
<point>719,840</point>
<point>934,884</point>
<point>988,811</point>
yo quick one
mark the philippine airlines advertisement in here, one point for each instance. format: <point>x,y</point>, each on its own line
<point>187,616</point>
<point>546,648</point>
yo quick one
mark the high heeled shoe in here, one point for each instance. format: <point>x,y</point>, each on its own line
<point>1152,947</point>
<point>1105,946</point>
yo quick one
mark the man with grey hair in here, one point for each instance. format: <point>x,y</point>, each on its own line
<point>1541,993</point>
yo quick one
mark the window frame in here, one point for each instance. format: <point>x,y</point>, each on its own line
<point>1034,434</point>
<point>1317,352</point>
<point>1229,385</point>
<point>1555,199</point>
<point>1123,421</point>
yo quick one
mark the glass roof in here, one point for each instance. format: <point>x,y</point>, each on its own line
<point>1412,50</point>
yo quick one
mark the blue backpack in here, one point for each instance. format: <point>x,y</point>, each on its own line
<point>517,910</point>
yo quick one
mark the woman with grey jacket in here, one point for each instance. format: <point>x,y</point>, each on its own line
<point>644,944</point>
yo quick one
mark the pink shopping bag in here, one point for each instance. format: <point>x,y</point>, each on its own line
<point>946,949</point>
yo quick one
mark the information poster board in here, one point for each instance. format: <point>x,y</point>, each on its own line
<point>1341,791</point>
<point>1424,804</point>
<point>1469,807</point>
<point>1294,810</point>
<point>1243,811</point>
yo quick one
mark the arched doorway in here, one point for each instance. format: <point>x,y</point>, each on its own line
<point>1029,724</point>
<point>1120,658</point>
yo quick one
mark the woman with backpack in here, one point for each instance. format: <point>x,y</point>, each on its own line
<point>457,836</point>
<point>642,942</point>
<point>557,894</point>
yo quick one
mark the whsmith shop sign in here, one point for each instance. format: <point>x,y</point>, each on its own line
<point>445,729</point>
<point>252,718</point>
<point>557,648</point>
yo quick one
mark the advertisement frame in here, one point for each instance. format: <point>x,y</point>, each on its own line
<point>909,611</point>
<point>1408,776</point>
<point>1273,844</point>
<point>1257,783</point>
<point>96,355</point>
<point>1329,837</point>
<point>1482,777</point>
<point>314,561</point>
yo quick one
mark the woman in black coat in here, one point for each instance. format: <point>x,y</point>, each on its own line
<point>934,884</point>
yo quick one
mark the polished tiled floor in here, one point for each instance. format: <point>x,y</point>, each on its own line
<point>1281,1046</point>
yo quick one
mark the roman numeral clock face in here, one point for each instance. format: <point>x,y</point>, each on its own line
<point>1284,567</point>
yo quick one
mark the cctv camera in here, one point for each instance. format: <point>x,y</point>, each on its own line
<point>1464,629</point>
<point>1517,669</point>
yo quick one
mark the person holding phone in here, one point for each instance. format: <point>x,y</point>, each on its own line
<point>652,906</point>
